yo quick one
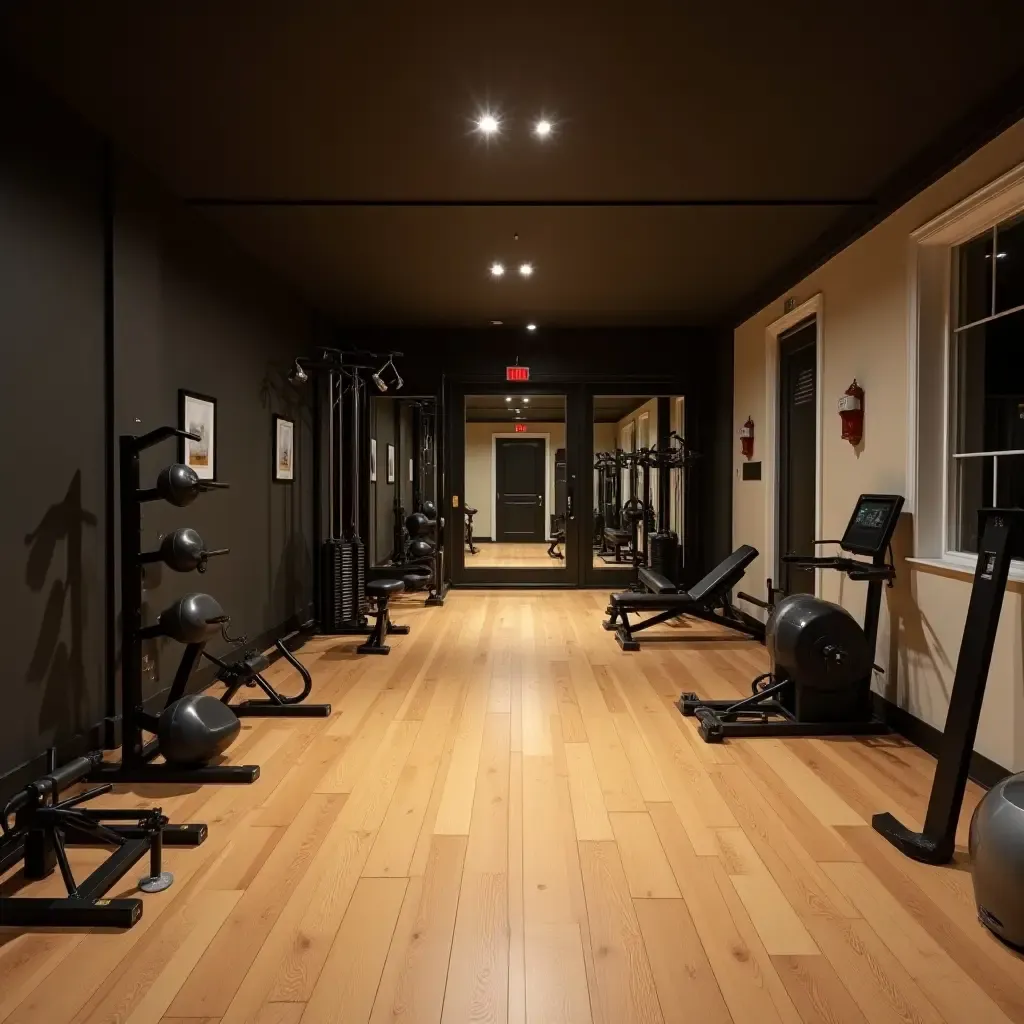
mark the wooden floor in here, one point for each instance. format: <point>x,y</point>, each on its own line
<point>507,820</point>
<point>523,555</point>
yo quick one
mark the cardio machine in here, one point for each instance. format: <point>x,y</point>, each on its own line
<point>822,660</point>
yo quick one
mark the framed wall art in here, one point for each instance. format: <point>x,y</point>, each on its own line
<point>198,415</point>
<point>284,450</point>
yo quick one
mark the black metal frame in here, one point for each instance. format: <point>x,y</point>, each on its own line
<point>722,613</point>
<point>137,753</point>
<point>44,826</point>
<point>935,844</point>
<point>248,671</point>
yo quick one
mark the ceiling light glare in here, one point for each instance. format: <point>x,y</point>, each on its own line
<point>526,269</point>
<point>531,327</point>
<point>526,400</point>
<point>497,323</point>
<point>543,128</point>
<point>497,269</point>
<point>508,399</point>
<point>488,124</point>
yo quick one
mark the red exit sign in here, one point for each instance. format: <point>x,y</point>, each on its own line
<point>517,373</point>
<point>520,428</point>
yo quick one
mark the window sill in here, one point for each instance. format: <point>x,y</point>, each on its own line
<point>964,565</point>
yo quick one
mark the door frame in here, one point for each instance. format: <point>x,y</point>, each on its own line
<point>813,307</point>
<point>548,473</point>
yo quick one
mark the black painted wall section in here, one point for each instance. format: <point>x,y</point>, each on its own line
<point>190,313</point>
<point>52,458</point>
<point>113,298</point>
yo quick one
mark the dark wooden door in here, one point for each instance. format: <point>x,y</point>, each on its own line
<point>519,476</point>
<point>798,442</point>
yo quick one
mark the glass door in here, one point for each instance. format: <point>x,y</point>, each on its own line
<point>514,485</point>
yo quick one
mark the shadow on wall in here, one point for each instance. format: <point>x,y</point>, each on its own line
<point>56,662</point>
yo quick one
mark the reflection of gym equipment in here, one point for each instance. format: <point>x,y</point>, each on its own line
<point>190,730</point>
<point>708,599</point>
<point>997,836</point>
<point>469,513</point>
<point>563,507</point>
<point>46,825</point>
<point>820,679</point>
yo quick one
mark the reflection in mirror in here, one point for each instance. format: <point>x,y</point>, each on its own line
<point>640,461</point>
<point>515,481</point>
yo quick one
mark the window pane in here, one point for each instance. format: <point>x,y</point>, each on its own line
<point>975,295</point>
<point>1010,264</point>
<point>990,406</point>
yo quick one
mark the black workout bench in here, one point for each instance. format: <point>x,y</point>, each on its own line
<point>709,599</point>
<point>615,541</point>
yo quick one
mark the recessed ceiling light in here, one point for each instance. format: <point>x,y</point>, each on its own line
<point>508,399</point>
<point>497,269</point>
<point>526,269</point>
<point>497,323</point>
<point>526,400</point>
<point>488,124</point>
<point>543,128</point>
<point>531,327</point>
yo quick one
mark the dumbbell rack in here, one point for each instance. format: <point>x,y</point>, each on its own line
<point>137,753</point>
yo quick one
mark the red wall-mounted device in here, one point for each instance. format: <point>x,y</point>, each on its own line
<point>517,373</point>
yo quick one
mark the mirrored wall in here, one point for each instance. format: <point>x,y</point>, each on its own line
<point>639,482</point>
<point>515,496</point>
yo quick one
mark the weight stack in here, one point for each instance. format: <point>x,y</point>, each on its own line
<point>665,554</point>
<point>344,585</point>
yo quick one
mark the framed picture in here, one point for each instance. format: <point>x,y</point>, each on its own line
<point>373,460</point>
<point>284,450</point>
<point>198,415</point>
<point>391,463</point>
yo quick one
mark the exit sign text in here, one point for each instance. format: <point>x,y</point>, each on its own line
<point>517,373</point>
<point>520,428</point>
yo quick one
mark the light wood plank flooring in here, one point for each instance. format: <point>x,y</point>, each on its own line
<point>507,821</point>
<point>522,555</point>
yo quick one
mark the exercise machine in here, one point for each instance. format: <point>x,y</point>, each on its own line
<point>247,670</point>
<point>189,730</point>
<point>709,599</point>
<point>822,660</point>
<point>46,824</point>
<point>1002,539</point>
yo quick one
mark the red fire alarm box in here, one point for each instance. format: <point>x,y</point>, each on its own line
<point>517,373</point>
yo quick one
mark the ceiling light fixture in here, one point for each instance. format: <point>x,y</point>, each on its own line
<point>497,269</point>
<point>526,400</point>
<point>488,124</point>
<point>543,128</point>
<point>508,399</point>
<point>531,327</point>
<point>525,269</point>
<point>497,323</point>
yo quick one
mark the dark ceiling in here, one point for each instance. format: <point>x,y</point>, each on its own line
<point>702,149</point>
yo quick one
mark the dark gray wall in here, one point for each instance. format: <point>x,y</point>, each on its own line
<point>114,297</point>
<point>190,313</point>
<point>52,458</point>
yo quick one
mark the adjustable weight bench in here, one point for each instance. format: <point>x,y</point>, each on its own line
<point>709,599</point>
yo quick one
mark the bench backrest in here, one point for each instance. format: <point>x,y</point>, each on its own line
<point>713,587</point>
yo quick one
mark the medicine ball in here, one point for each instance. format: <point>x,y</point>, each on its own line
<point>417,524</point>
<point>817,643</point>
<point>420,550</point>
<point>429,509</point>
<point>193,619</point>
<point>997,852</point>
<point>194,730</point>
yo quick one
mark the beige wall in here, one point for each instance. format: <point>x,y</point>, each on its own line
<point>865,295</point>
<point>479,484</point>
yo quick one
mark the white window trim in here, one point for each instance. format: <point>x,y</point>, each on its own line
<point>814,306</point>
<point>929,335</point>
